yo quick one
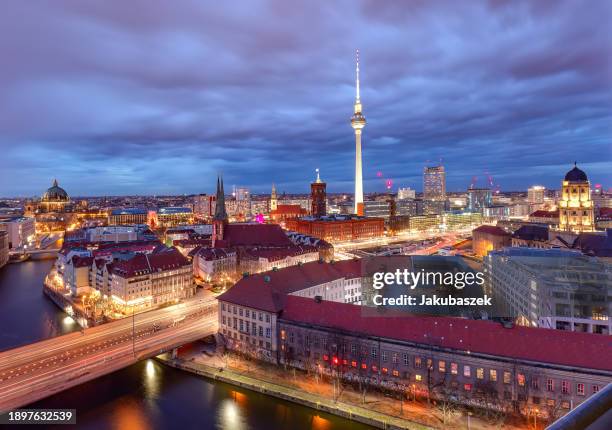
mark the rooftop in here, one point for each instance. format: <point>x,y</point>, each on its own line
<point>492,230</point>
<point>267,291</point>
<point>473,336</point>
<point>128,211</point>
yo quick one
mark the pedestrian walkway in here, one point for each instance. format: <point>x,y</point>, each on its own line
<point>345,410</point>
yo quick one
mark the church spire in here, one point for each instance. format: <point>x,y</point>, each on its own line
<point>220,213</point>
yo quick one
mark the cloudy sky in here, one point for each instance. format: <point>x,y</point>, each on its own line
<point>157,97</point>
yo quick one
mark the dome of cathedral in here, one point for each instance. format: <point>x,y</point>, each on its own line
<point>55,194</point>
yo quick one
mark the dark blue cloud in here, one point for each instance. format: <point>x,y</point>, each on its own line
<point>156,97</point>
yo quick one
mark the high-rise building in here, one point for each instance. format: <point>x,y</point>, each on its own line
<point>535,195</point>
<point>434,183</point>
<point>478,199</point>
<point>358,122</point>
<point>575,206</point>
<point>318,197</point>
<point>406,193</point>
<point>241,194</point>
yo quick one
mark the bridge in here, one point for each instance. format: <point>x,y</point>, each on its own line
<point>41,369</point>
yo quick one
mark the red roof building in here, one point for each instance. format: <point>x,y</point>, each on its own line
<point>583,350</point>
<point>488,238</point>
<point>285,212</point>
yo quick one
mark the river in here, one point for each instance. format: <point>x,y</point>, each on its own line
<point>146,395</point>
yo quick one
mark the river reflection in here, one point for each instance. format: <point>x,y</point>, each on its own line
<point>147,395</point>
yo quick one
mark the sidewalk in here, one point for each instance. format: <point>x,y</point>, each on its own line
<point>314,401</point>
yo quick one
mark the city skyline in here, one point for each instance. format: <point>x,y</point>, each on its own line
<point>112,102</point>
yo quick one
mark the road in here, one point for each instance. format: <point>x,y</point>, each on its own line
<point>40,369</point>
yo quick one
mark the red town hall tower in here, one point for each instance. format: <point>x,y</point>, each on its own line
<point>318,197</point>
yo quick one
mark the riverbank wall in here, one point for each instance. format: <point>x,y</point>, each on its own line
<point>62,303</point>
<point>344,410</point>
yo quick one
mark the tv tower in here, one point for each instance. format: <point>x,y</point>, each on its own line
<point>358,122</point>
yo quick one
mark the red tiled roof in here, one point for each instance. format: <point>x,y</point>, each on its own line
<point>210,254</point>
<point>288,209</point>
<point>192,242</point>
<point>491,229</point>
<point>267,291</point>
<point>255,235</point>
<point>544,214</point>
<point>143,264</point>
<point>78,261</point>
<point>585,350</point>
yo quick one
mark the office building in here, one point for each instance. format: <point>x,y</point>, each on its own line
<point>127,216</point>
<point>338,228</point>
<point>535,195</point>
<point>476,363</point>
<point>551,288</point>
<point>406,193</point>
<point>170,217</point>
<point>21,231</point>
<point>478,199</point>
<point>434,183</point>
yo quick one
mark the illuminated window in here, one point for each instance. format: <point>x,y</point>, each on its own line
<point>507,377</point>
<point>565,387</point>
<point>521,379</point>
<point>384,370</point>
<point>480,373</point>
<point>467,371</point>
<point>493,375</point>
<point>374,369</point>
<point>325,357</point>
<point>418,377</point>
<point>364,366</point>
<point>467,387</point>
<point>354,363</point>
<point>395,373</point>
<point>417,362</point>
<point>429,363</point>
<point>454,368</point>
<point>442,366</point>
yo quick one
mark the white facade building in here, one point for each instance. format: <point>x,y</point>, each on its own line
<point>551,288</point>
